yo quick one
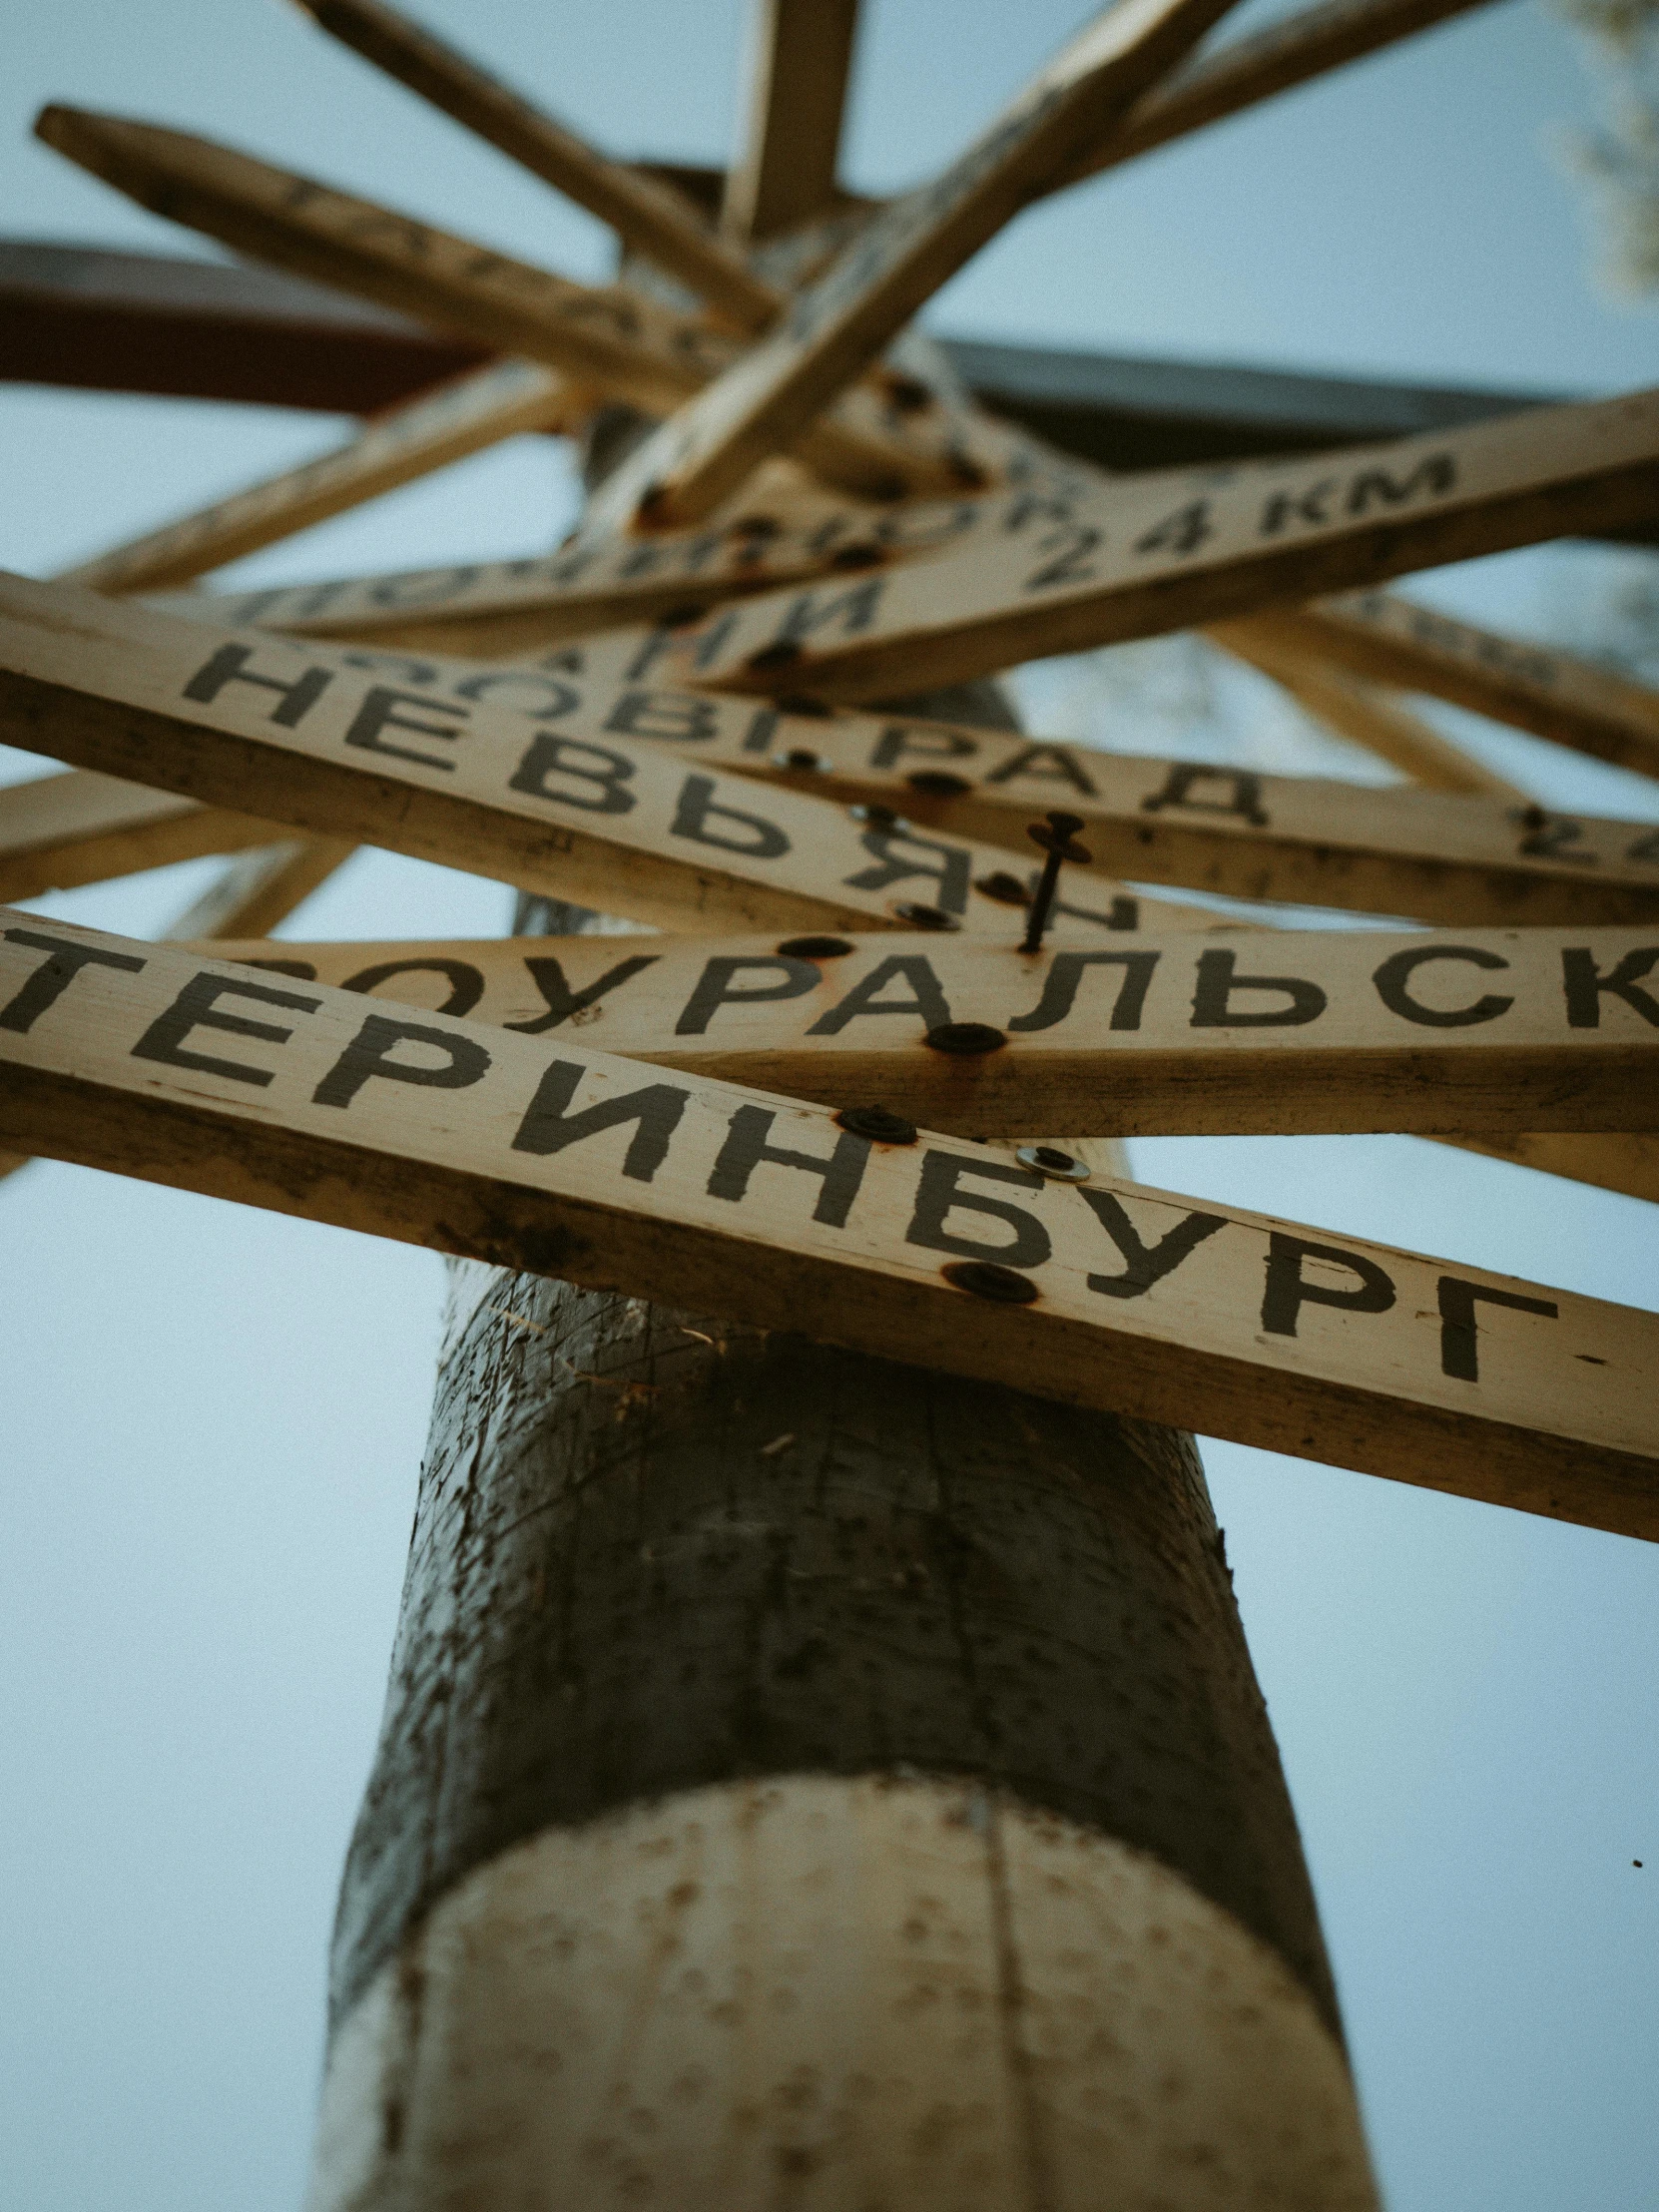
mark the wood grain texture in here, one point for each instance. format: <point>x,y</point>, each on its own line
<point>607,337</point>
<point>1362,713</point>
<point>646,214</point>
<point>777,531</point>
<point>428,433</point>
<point>783,173</point>
<point>1388,639</point>
<point>1463,858</point>
<point>1145,1303</point>
<point>1029,2016</point>
<point>1628,1164</point>
<point>838,325</point>
<point>60,831</point>
<point>1225,1035</point>
<point>1160,553</point>
<point>606,820</point>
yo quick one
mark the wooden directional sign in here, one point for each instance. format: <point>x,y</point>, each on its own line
<point>1530,685</point>
<point>1360,710</point>
<point>612,338</point>
<point>784,174</point>
<point>1221,1034</point>
<point>651,216</point>
<point>772,536</point>
<point>606,820</point>
<point>1428,855</point>
<point>460,417</point>
<point>59,831</point>
<point>536,1153</point>
<point>838,325</point>
<point>1165,552</point>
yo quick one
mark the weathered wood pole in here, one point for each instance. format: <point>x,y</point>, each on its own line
<point>810,1782</point>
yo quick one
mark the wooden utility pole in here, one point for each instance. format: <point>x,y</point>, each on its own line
<point>809,1779</point>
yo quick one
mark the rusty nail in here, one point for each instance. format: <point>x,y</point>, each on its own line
<point>875,1123</point>
<point>814,949</point>
<point>965,1037</point>
<point>923,917</point>
<point>1057,841</point>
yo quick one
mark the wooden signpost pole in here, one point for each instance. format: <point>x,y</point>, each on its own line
<point>822,1767</point>
<point>843,1751</point>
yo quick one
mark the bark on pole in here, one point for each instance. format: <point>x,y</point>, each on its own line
<point>812,1783</point>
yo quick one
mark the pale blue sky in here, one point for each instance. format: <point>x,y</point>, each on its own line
<point>217,1416</point>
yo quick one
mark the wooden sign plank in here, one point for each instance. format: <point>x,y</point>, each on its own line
<point>1168,552</point>
<point>1626,1164</point>
<point>775,534</point>
<point>1392,640</point>
<point>428,433</point>
<point>1431,855</point>
<point>840,323</point>
<point>60,831</point>
<point>260,889</point>
<point>1362,713</point>
<point>614,339</point>
<point>537,1153</point>
<point>1187,1034</point>
<point>783,172</point>
<point>649,214</point>
<point>608,819</point>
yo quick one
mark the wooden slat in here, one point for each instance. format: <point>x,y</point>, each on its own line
<point>1161,555</point>
<point>783,172</point>
<point>260,889</point>
<point>1437,856</point>
<point>1222,1034</point>
<point>649,215</point>
<point>1394,640</point>
<point>153,1063</point>
<point>475,411</point>
<point>1290,52</point>
<point>837,326</point>
<point>1626,1164</point>
<point>60,831</point>
<point>609,338</point>
<point>778,532</point>
<point>1364,714</point>
<point>605,819</point>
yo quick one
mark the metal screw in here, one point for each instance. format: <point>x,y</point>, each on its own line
<point>875,1123</point>
<point>814,949</point>
<point>965,1037</point>
<point>939,782</point>
<point>1049,1160</point>
<point>1058,840</point>
<point>923,917</point>
<point>801,760</point>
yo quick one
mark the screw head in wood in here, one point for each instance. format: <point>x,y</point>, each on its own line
<point>878,816</point>
<point>939,782</point>
<point>923,917</point>
<point>1049,1160</point>
<point>1004,887</point>
<point>814,949</point>
<point>989,1278</point>
<point>876,1123</point>
<point>965,1038</point>
<point>801,760</point>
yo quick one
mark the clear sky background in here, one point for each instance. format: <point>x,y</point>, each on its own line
<point>216,1417</point>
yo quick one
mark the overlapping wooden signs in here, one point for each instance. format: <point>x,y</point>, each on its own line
<point>777,533</point>
<point>838,325</point>
<point>1534,687</point>
<point>612,338</point>
<point>1166,552</point>
<point>59,831</point>
<point>1512,1030</point>
<point>608,821</point>
<point>537,1153</point>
